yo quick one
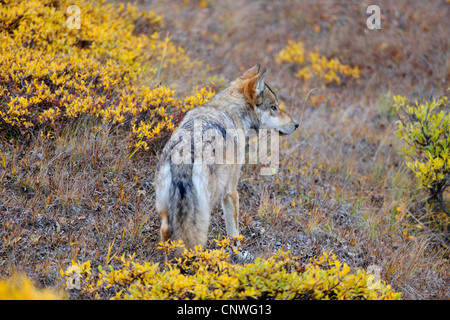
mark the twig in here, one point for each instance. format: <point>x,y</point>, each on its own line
<point>163,56</point>
<point>90,84</point>
<point>304,103</point>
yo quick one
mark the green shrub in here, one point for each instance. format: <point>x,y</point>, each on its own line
<point>425,129</point>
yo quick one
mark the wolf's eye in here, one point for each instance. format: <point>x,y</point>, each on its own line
<point>274,108</point>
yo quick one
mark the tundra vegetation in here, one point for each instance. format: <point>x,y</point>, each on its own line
<point>357,210</point>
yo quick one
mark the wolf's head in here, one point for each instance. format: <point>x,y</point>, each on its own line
<point>264,101</point>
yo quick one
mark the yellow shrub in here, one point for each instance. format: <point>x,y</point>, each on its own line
<point>294,52</point>
<point>315,66</point>
<point>51,74</point>
<point>19,287</point>
<point>209,274</point>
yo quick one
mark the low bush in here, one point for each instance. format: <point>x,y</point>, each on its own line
<point>314,66</point>
<point>209,274</point>
<point>19,287</point>
<point>107,69</point>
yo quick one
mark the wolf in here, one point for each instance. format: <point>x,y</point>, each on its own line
<point>188,185</point>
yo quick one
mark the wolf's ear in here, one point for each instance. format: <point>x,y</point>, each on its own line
<point>251,84</point>
<point>259,88</point>
<point>253,71</point>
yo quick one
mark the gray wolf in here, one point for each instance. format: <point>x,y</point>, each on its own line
<point>188,185</point>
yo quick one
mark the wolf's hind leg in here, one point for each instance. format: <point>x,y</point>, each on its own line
<point>230,206</point>
<point>164,230</point>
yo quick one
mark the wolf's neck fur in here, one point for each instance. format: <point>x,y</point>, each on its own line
<point>244,113</point>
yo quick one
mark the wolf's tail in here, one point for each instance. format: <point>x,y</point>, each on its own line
<point>187,220</point>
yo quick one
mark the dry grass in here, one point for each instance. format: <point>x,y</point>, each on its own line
<point>342,184</point>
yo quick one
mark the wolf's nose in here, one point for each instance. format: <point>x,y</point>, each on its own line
<point>296,125</point>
